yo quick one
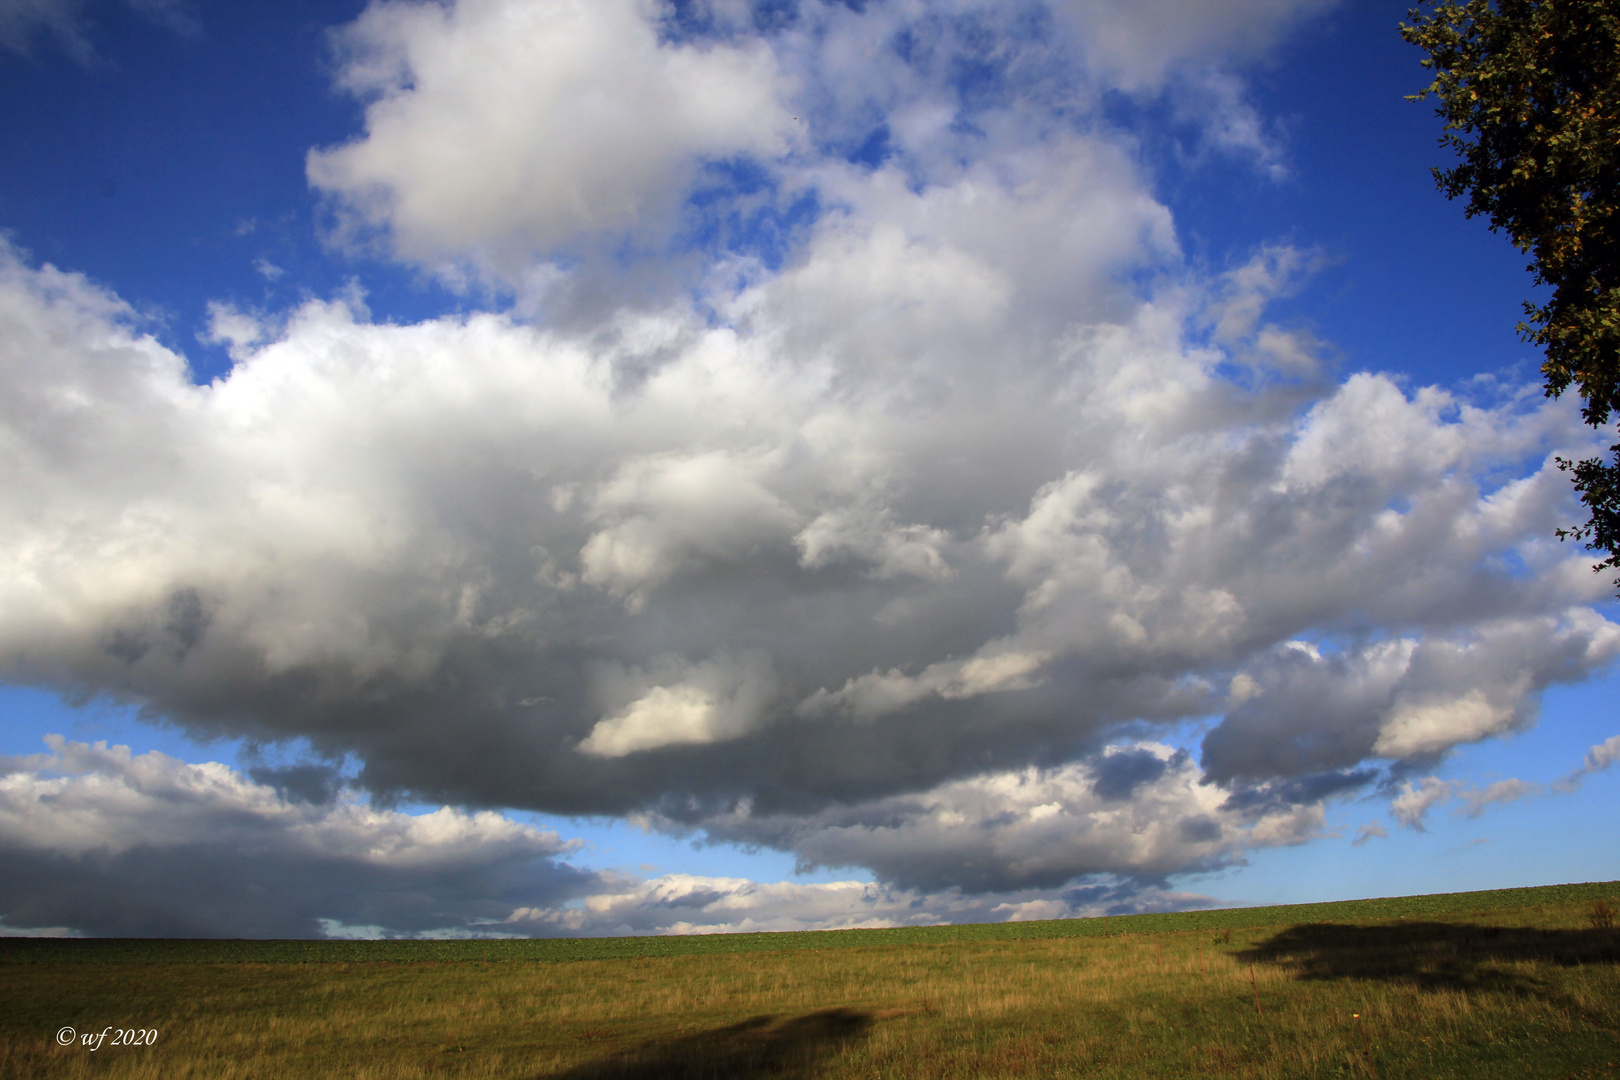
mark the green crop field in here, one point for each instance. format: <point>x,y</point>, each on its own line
<point>1511,984</point>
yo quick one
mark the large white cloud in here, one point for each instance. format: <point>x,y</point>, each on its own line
<point>683,565</point>
<point>869,554</point>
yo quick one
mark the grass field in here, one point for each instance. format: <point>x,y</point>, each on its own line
<point>1512,984</point>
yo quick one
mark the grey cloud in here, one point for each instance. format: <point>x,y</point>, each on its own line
<point>1119,774</point>
<point>1599,758</point>
<point>1314,788</point>
<point>1369,832</point>
<point>1415,801</point>
<point>683,903</point>
<point>1303,711</point>
<point>1036,828</point>
<point>309,782</point>
<point>106,843</point>
<point>1501,792</point>
<point>114,844</point>
<point>1140,43</point>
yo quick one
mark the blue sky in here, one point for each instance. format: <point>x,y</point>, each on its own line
<point>767,466</point>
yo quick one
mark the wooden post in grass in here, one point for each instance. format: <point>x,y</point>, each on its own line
<point>1203,970</point>
<point>1256,985</point>
<point>1159,950</point>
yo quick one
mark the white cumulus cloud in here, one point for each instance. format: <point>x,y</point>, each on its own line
<point>498,129</point>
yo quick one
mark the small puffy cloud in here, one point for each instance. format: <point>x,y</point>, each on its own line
<point>1601,756</point>
<point>1366,833</point>
<point>1502,791</point>
<point>1415,801</point>
<point>1245,290</point>
<point>232,327</point>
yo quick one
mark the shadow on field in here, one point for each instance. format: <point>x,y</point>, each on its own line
<point>759,1047</point>
<point>1431,955</point>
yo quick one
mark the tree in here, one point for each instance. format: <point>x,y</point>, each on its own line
<point>1530,92</point>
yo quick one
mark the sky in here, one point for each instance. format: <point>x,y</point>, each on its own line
<point>538,467</point>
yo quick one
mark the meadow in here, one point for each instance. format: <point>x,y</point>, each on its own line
<point>1511,984</point>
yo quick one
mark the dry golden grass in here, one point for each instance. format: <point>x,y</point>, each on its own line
<point>1533,993</point>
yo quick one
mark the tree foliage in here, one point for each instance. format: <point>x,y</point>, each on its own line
<point>1530,93</point>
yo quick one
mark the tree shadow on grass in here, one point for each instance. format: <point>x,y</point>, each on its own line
<point>1434,956</point>
<point>760,1047</point>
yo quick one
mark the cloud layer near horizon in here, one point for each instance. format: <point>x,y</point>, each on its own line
<point>103,842</point>
<point>865,543</point>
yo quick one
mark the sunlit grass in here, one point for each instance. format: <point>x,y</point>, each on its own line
<point>1517,993</point>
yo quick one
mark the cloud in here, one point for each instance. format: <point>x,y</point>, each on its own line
<point>1373,831</point>
<point>1599,758</point>
<point>676,567</point>
<point>500,129</point>
<point>900,544</point>
<point>496,142</point>
<point>1401,699</point>
<point>1503,791</point>
<point>1412,805</point>
<point>134,845</point>
<point>678,703</point>
<point>1233,126</point>
<point>115,843</point>
<point>64,22</point>
<point>20,21</point>
<point>1138,812</point>
<point>1141,43</point>
<point>692,904</point>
